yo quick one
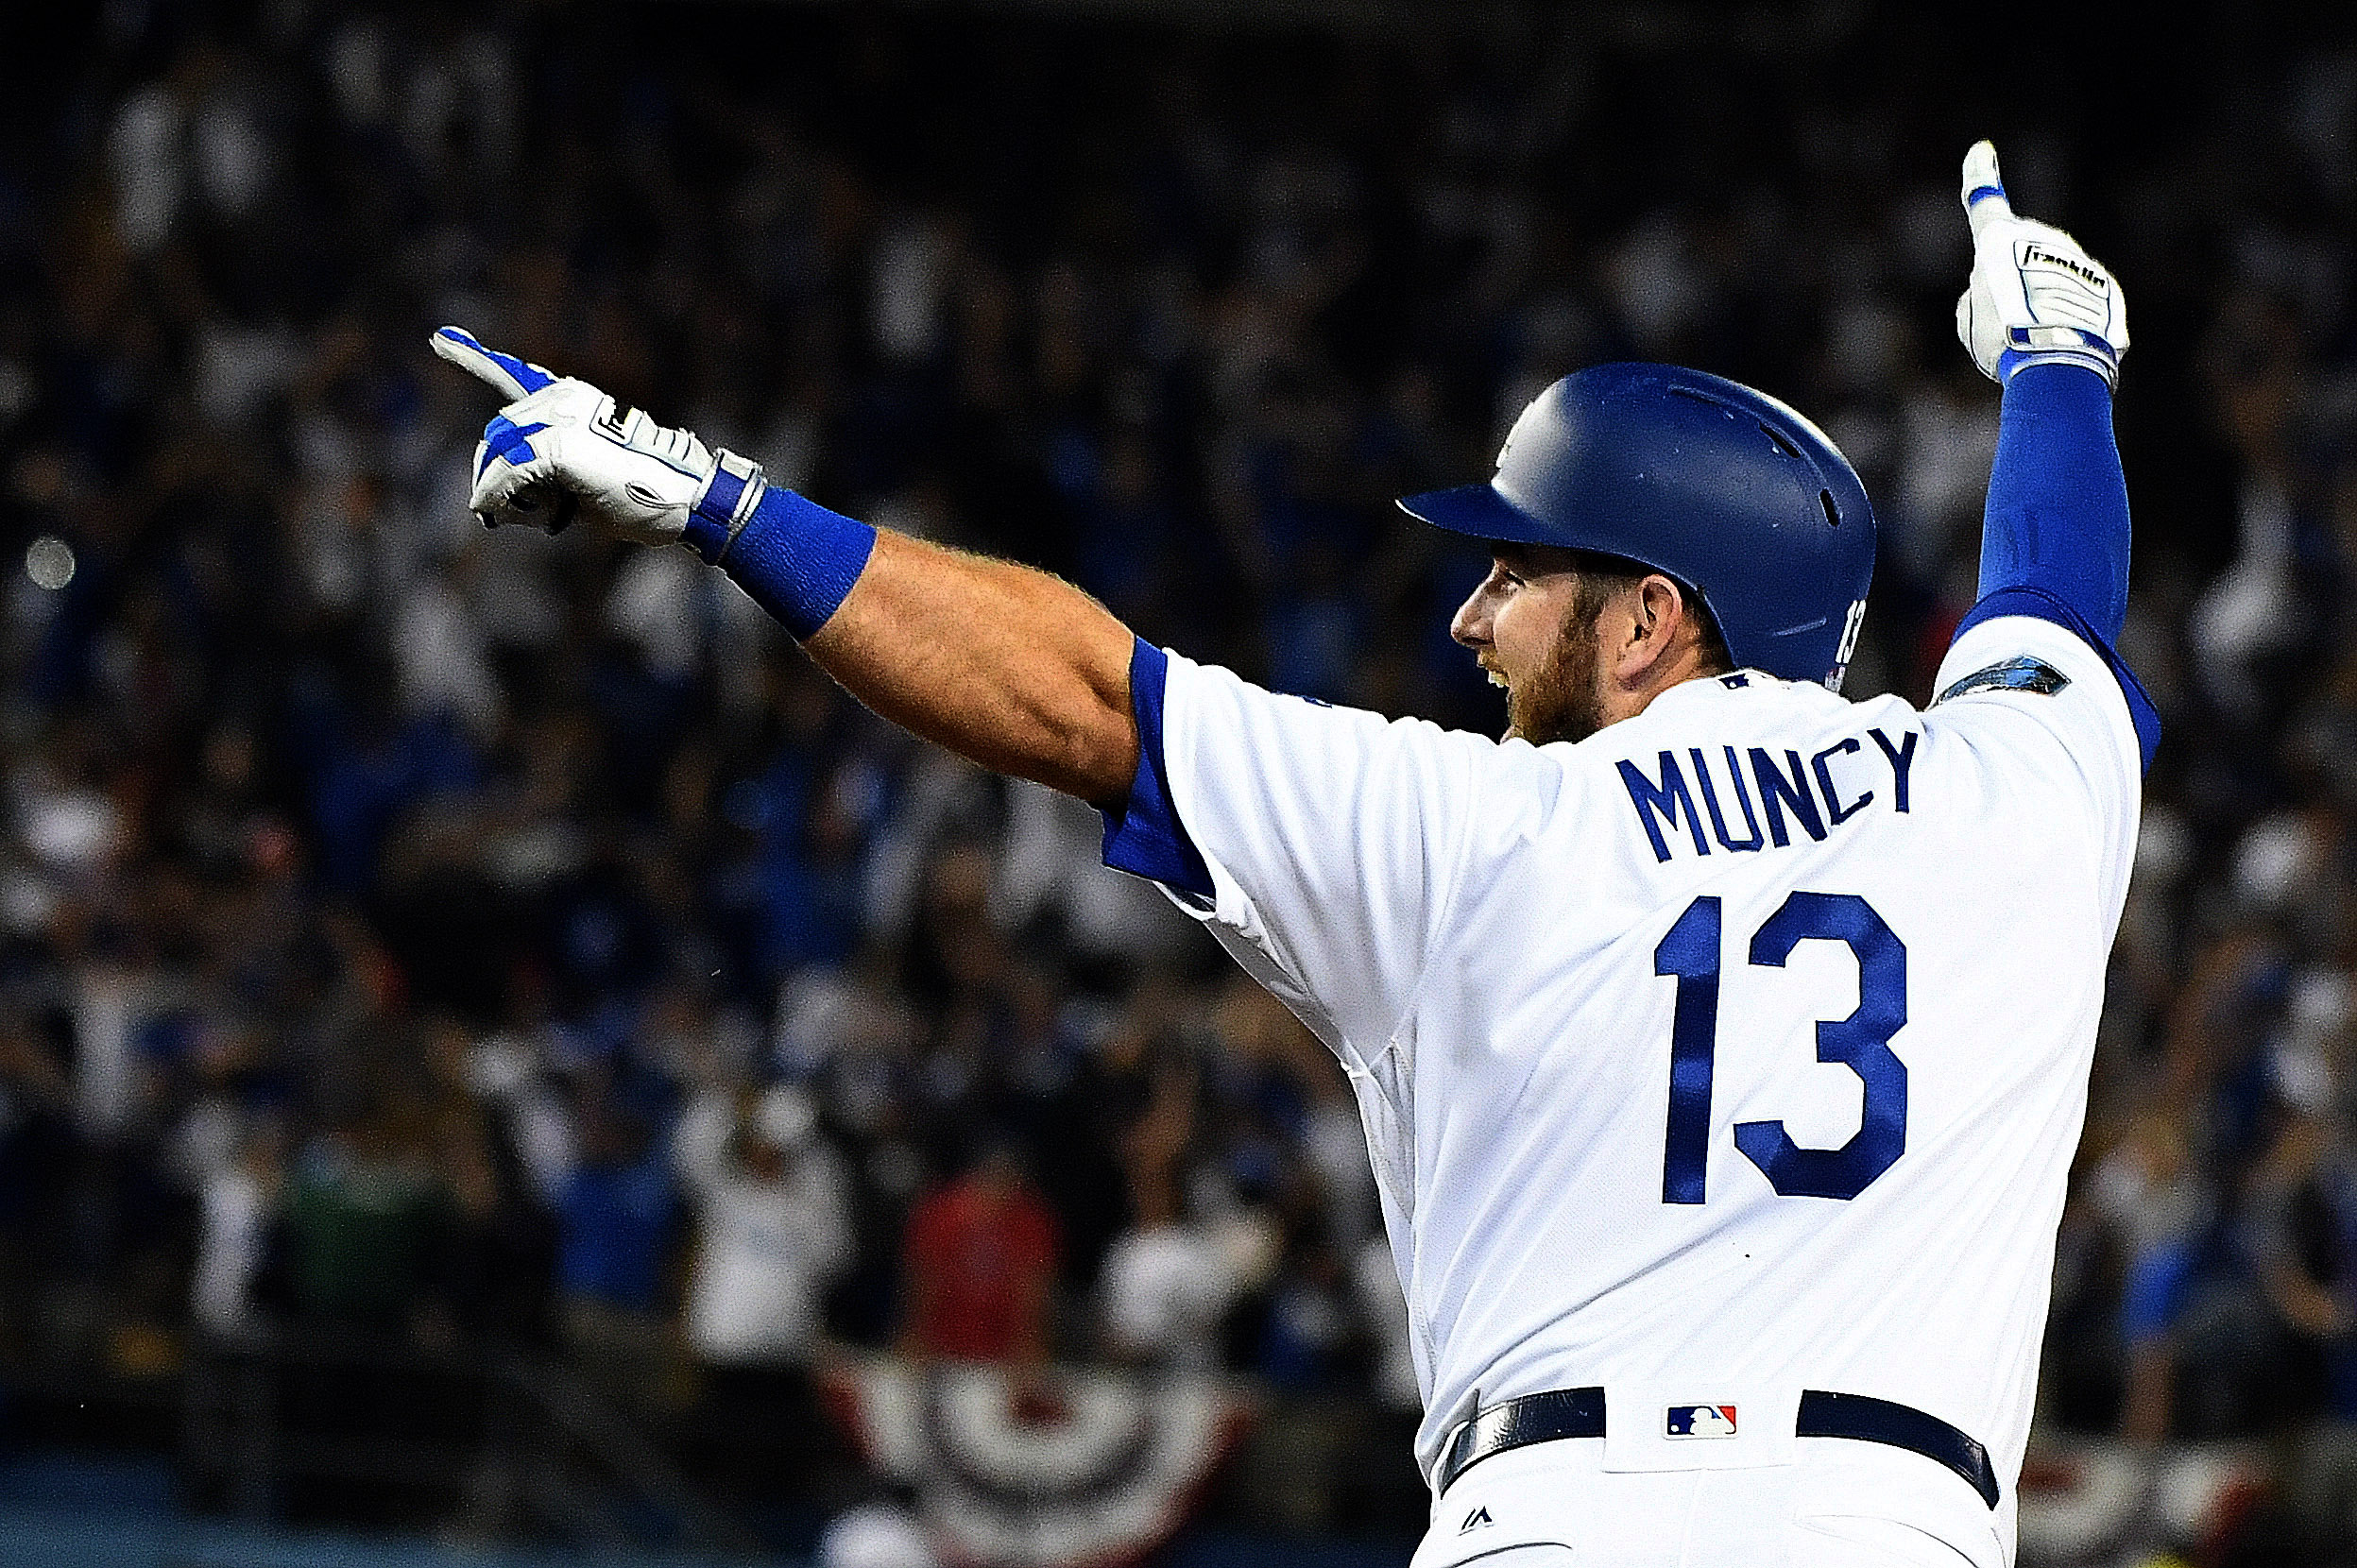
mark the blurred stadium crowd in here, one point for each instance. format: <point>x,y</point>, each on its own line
<point>459,934</point>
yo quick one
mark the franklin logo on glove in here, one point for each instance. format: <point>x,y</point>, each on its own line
<point>2033,254</point>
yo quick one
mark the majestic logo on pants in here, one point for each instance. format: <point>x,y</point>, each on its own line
<point>1700,1421</point>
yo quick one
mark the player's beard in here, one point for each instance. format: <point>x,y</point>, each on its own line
<point>1562,700</point>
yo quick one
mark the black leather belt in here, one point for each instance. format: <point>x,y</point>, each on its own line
<point>1579,1413</point>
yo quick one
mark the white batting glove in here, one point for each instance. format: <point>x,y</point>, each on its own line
<point>2035,298</point>
<point>562,445</point>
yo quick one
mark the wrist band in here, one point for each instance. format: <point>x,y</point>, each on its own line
<point>796,559</point>
<point>2088,350</point>
<point>726,506</point>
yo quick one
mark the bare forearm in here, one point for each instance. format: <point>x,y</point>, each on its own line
<point>1011,667</point>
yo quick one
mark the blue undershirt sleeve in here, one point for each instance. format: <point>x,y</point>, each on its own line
<point>1143,834</point>
<point>2054,531</point>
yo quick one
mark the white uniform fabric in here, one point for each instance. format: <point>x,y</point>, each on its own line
<point>1483,933</point>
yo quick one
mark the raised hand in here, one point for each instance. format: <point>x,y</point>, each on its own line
<point>2035,296</point>
<point>561,444</point>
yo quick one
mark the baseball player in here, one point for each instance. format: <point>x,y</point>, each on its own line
<point>1721,1044</point>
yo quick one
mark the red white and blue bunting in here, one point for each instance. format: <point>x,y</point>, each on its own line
<point>1046,1468</point>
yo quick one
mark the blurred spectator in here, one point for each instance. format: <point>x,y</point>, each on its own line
<point>1168,1285</point>
<point>773,1227</point>
<point>497,1247</point>
<point>2301,1215</point>
<point>362,1208</point>
<point>617,1218</point>
<point>238,1202</point>
<point>980,1265</point>
<point>2150,1192</point>
<point>1310,1336</point>
<point>1383,1313</point>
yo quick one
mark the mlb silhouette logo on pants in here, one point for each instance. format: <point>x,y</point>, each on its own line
<point>1700,1421</point>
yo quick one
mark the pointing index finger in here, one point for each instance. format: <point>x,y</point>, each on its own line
<point>511,376</point>
<point>1984,188</point>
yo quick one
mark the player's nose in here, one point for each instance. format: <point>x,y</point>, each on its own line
<point>1474,620</point>
<point>1470,625</point>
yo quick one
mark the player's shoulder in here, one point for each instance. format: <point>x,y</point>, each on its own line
<point>2032,682</point>
<point>2020,656</point>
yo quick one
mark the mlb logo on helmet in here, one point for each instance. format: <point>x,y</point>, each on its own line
<point>1700,1421</point>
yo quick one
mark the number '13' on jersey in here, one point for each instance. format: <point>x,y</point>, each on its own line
<point>1861,1042</point>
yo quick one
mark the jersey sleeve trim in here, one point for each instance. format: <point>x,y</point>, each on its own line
<point>1143,835</point>
<point>2038,605</point>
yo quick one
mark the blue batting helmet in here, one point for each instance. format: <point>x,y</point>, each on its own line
<point>1729,491</point>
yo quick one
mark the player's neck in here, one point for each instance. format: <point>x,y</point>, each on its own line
<point>1622,699</point>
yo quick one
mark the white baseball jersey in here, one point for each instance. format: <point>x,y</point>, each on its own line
<point>1739,1049</point>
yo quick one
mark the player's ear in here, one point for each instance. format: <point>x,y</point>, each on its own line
<point>1661,609</point>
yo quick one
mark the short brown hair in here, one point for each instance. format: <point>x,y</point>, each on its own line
<point>1602,576</point>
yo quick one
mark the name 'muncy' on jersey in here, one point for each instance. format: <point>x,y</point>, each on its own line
<point>1739,1049</point>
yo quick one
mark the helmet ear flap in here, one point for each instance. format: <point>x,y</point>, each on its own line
<point>1713,640</point>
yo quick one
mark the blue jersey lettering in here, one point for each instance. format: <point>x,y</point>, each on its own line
<point>1815,792</point>
<point>1663,800</point>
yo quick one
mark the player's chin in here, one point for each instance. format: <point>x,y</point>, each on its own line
<point>1541,722</point>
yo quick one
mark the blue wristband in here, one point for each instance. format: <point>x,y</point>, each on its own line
<point>726,505</point>
<point>797,559</point>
